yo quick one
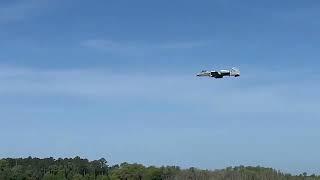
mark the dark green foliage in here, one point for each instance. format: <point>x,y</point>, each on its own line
<point>83,169</point>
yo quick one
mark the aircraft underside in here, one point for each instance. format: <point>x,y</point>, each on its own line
<point>220,74</point>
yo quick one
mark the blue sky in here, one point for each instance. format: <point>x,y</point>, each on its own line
<point>116,79</point>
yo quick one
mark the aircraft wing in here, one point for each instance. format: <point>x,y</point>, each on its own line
<point>215,73</point>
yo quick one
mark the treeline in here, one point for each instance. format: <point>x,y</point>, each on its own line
<point>83,169</point>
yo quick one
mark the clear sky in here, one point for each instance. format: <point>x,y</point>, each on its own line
<point>116,79</point>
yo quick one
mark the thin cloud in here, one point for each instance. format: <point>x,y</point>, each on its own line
<point>111,46</point>
<point>219,96</point>
<point>138,47</point>
<point>20,10</point>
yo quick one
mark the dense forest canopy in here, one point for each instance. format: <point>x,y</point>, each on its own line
<point>83,169</point>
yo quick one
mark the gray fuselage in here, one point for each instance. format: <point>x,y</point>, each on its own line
<point>220,74</point>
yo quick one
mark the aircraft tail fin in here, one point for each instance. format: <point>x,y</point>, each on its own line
<point>235,71</point>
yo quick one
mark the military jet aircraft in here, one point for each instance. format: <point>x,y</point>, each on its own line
<point>221,73</point>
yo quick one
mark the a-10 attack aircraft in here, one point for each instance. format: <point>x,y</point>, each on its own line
<point>221,73</point>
